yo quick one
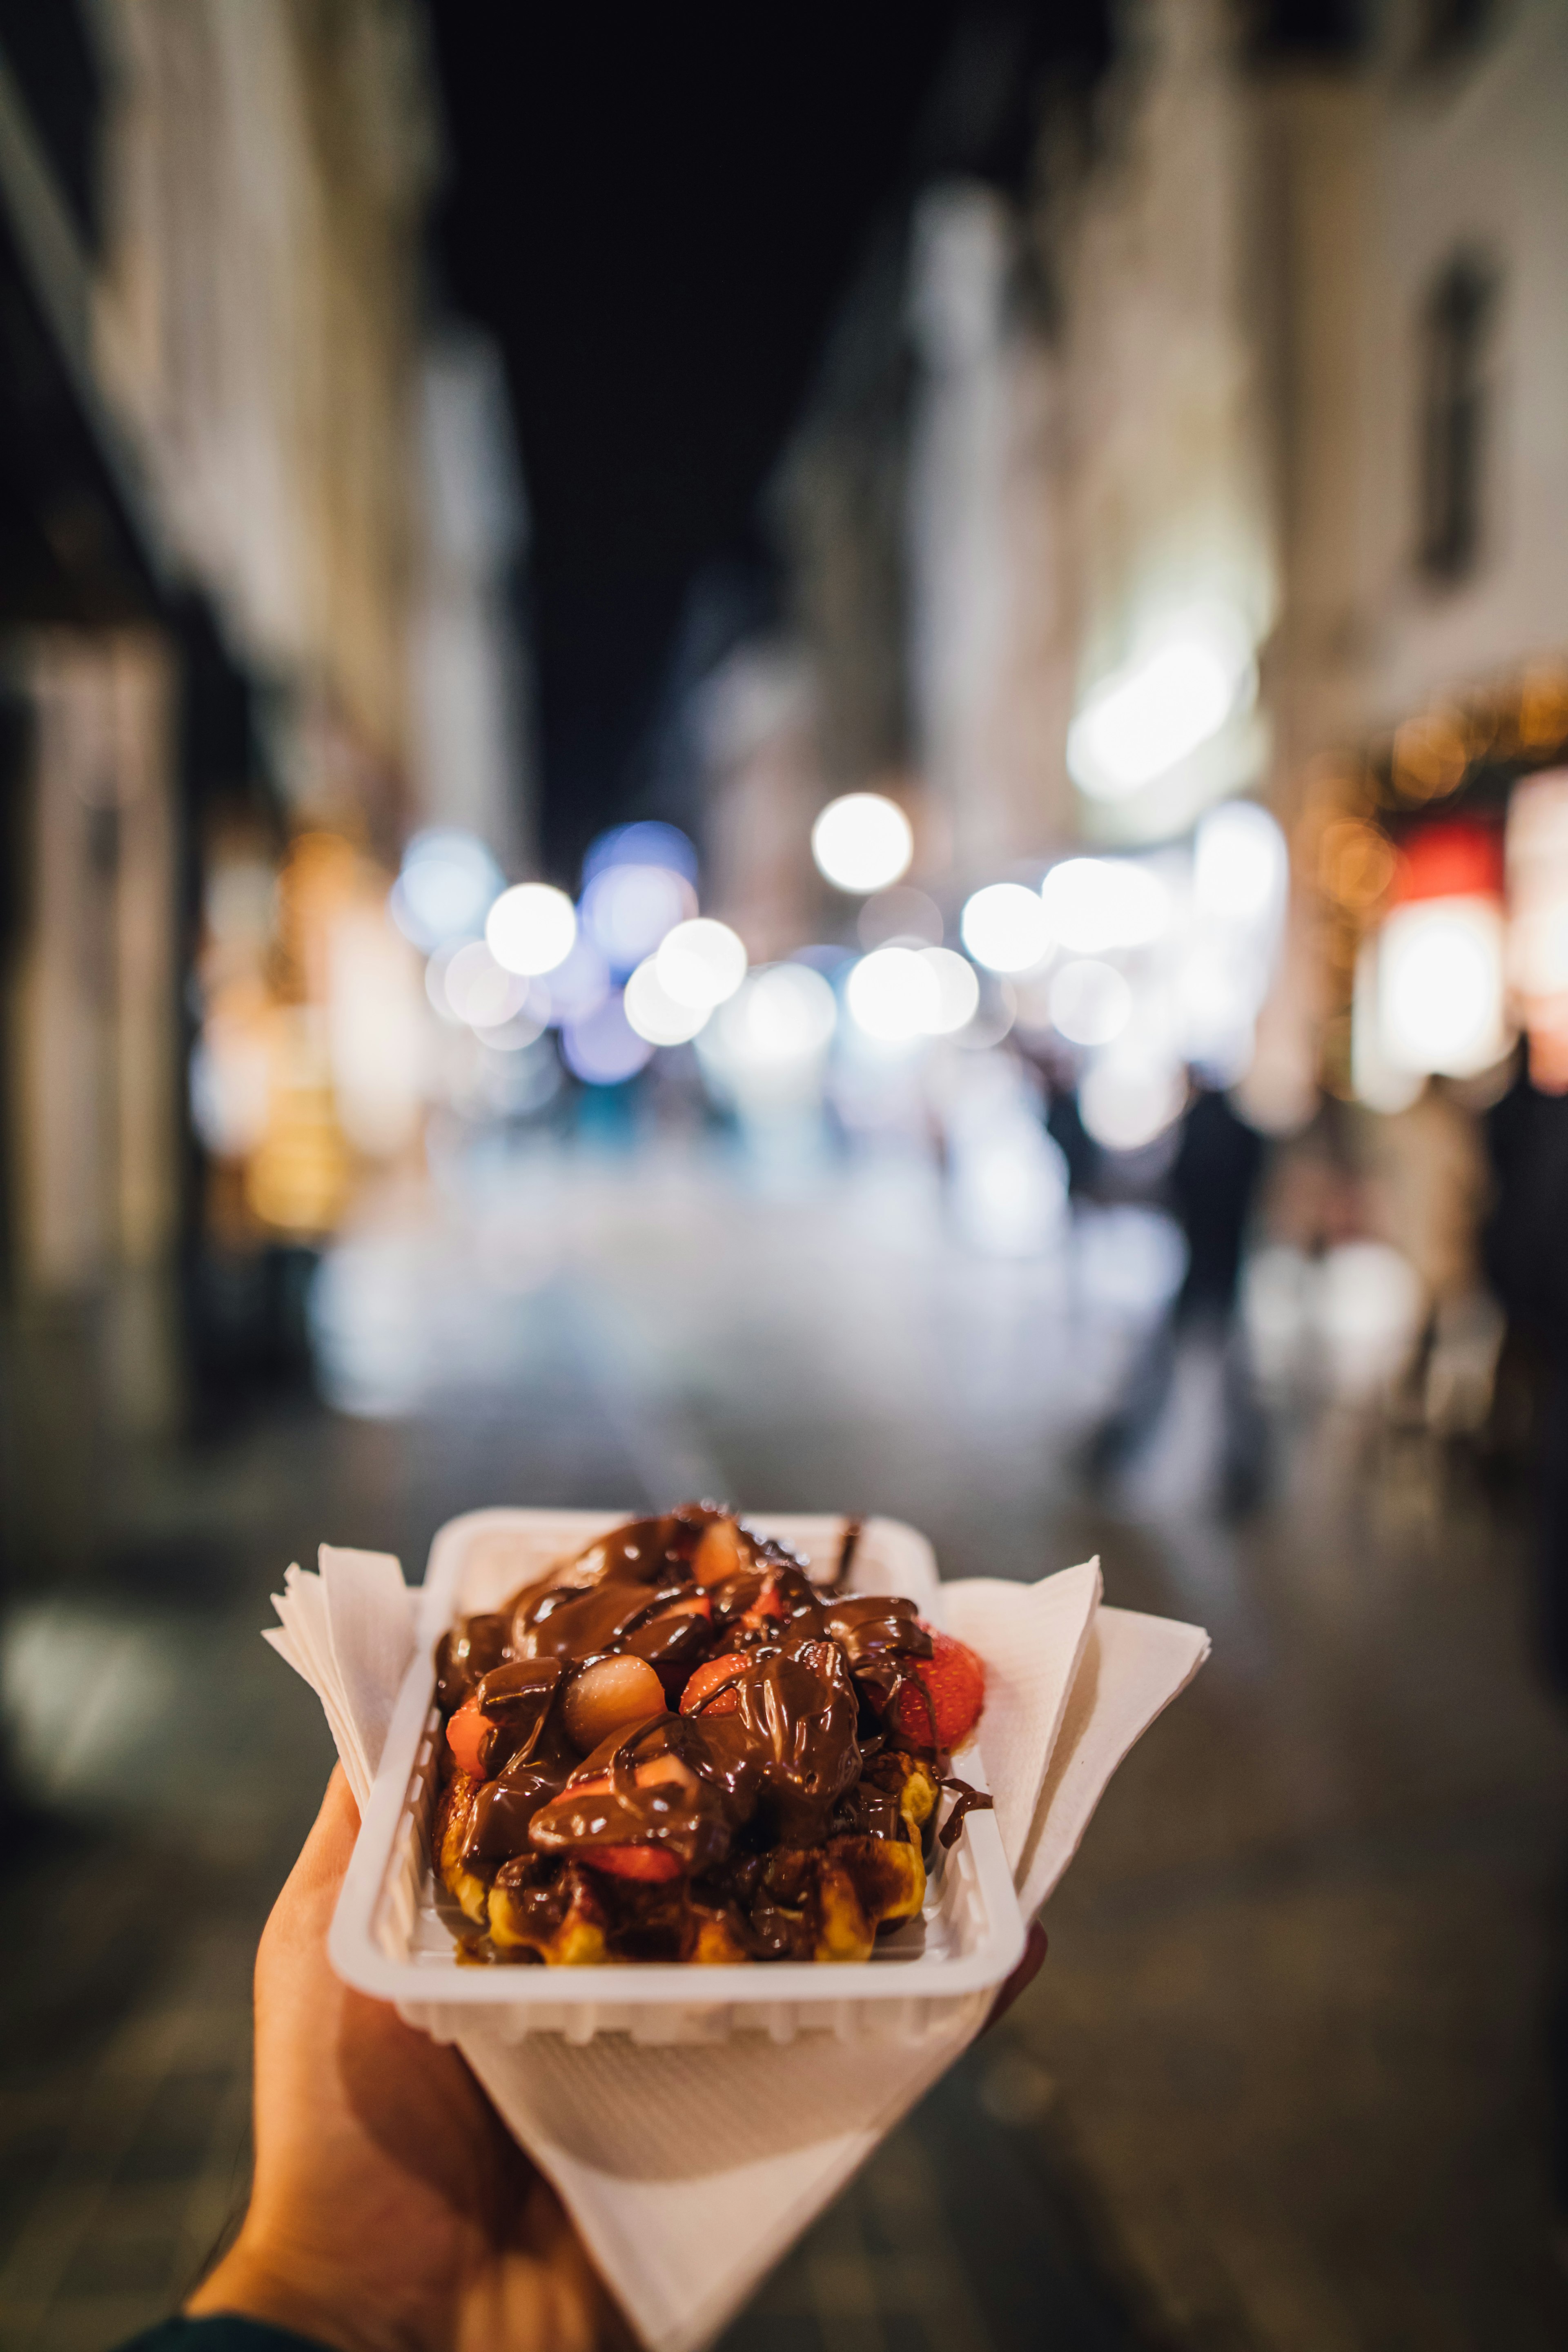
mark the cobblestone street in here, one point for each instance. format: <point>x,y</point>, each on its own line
<point>1281,2083</point>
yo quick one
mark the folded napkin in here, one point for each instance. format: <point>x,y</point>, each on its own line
<point>690,2171</point>
<point>350,1633</point>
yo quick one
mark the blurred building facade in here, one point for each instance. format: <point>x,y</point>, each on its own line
<point>1258,355</point>
<point>1421,669</point>
<point>261,526</point>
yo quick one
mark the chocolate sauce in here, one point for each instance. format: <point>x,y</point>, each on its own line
<point>874,1627</point>
<point>785,1783</point>
<point>499,1822</point>
<point>573,1621</point>
<point>515,1700</point>
<point>969,1801</point>
<point>469,1650</point>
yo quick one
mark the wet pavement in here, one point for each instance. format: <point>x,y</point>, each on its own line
<point>1282,2082</point>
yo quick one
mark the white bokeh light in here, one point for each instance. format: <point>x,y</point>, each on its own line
<point>1441,986</point>
<point>531,928</point>
<point>862,842</point>
<point>957,991</point>
<point>1096,904</point>
<point>447,882</point>
<point>1127,1099</point>
<point>1240,864</point>
<point>477,990</point>
<point>786,1013</point>
<point>1217,993</point>
<point>1004,926</point>
<point>435,988</point>
<point>702,963</point>
<point>654,1013</point>
<point>1090,1001</point>
<point>894,996</point>
<point>1162,707</point>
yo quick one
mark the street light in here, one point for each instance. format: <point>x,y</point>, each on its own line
<point>531,929</point>
<point>862,842</point>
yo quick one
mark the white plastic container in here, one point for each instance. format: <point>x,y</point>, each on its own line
<point>387,1938</point>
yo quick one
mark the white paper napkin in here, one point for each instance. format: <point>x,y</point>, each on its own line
<point>350,1633</point>
<point>690,2171</point>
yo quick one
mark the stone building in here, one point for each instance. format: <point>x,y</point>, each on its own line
<point>233,591</point>
<point>1070,432</point>
<point>1225,445</point>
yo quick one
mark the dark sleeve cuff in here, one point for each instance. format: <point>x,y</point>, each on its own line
<point>223,2331</point>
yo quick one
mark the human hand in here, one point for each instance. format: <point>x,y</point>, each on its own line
<point>392,2210</point>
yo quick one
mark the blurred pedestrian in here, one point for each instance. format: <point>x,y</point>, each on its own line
<point>1525,1249</point>
<point>1213,1186</point>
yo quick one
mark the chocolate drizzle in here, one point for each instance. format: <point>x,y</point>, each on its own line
<point>967,1801</point>
<point>848,1545</point>
<point>773,1816</point>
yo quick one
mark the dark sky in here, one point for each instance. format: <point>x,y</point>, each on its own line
<point>656,210</point>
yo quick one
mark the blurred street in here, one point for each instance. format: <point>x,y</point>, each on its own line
<point>1281,2082</point>
<point>818,759</point>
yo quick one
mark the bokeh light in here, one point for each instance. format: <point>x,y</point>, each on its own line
<point>435,987</point>
<point>700,964</point>
<point>447,882</point>
<point>531,928</point>
<point>862,842</point>
<point>649,841</point>
<point>579,984</point>
<point>1441,986</point>
<point>1004,927</point>
<point>1127,1099</point>
<point>957,991</point>
<point>1090,1001</point>
<point>602,1049</point>
<point>788,1013</point>
<point>893,994</point>
<point>765,1046</point>
<point>1096,904</point>
<point>1238,863</point>
<point>1146,718</point>
<point>654,1013</point>
<point>627,909</point>
<point>478,991</point>
<point>1218,995</point>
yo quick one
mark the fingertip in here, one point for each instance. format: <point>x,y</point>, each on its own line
<point>338,1805</point>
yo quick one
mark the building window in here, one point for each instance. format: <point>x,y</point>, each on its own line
<point>1456,331</point>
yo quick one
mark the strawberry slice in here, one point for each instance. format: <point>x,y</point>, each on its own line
<point>465,1737</point>
<point>692,1604</point>
<point>953,1680</point>
<point>768,1607</point>
<point>651,1864</point>
<point>694,1698</point>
